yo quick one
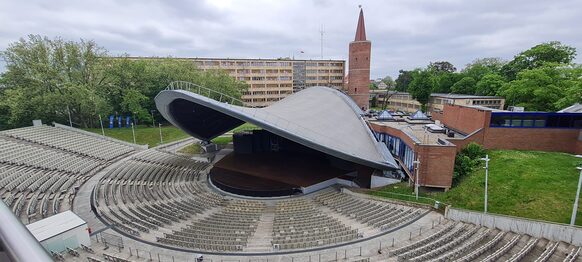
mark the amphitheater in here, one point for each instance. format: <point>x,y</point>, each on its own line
<point>155,205</point>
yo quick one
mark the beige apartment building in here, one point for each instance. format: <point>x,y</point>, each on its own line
<point>271,80</point>
<point>404,102</point>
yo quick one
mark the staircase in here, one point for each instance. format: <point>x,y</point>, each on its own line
<point>260,241</point>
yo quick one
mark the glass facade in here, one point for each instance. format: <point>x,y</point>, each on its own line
<point>398,149</point>
<point>536,120</point>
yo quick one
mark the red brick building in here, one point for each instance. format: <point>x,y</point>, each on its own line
<point>359,66</point>
<point>410,140</point>
<point>496,129</point>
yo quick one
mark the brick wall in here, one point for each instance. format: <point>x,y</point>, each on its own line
<point>359,72</point>
<point>463,119</point>
<point>437,164</point>
<point>436,161</point>
<point>540,139</point>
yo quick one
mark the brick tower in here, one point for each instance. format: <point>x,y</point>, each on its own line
<point>359,66</point>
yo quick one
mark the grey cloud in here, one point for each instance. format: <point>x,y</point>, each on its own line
<point>404,34</point>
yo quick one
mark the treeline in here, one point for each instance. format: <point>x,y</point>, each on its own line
<point>542,78</point>
<point>49,78</point>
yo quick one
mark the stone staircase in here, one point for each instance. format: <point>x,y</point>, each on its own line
<point>260,241</point>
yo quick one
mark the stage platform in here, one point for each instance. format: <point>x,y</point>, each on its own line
<point>271,174</point>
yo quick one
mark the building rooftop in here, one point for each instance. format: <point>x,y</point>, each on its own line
<point>236,59</point>
<point>418,132</point>
<point>55,225</point>
<point>461,96</point>
<point>575,108</point>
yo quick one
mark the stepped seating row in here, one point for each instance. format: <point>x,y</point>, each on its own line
<point>162,157</point>
<point>466,242</point>
<point>298,224</point>
<point>380,215</point>
<point>143,196</point>
<point>71,141</point>
<point>37,191</point>
<point>225,230</point>
<point>22,153</point>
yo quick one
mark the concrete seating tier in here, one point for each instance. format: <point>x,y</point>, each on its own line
<point>466,242</point>
<point>226,230</point>
<point>27,154</point>
<point>298,224</point>
<point>374,213</point>
<point>70,141</point>
<point>143,195</point>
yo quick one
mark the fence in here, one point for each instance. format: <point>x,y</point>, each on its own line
<point>535,228</point>
<point>362,251</point>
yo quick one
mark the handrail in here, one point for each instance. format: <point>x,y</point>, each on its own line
<point>18,243</point>
<point>198,89</point>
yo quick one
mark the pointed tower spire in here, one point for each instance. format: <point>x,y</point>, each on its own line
<point>361,30</point>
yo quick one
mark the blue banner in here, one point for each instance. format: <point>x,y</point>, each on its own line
<point>127,121</point>
<point>111,121</point>
<point>119,121</point>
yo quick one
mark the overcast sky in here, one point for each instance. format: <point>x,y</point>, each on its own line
<point>405,34</point>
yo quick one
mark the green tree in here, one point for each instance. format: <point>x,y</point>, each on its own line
<point>442,66</point>
<point>536,89</point>
<point>390,83</point>
<point>464,86</point>
<point>43,75</point>
<point>443,81</point>
<point>481,67</point>
<point>421,86</point>
<point>489,85</point>
<point>572,93</point>
<point>552,52</point>
<point>403,80</point>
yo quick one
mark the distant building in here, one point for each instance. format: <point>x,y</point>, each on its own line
<point>382,85</point>
<point>271,80</point>
<point>402,101</point>
<point>359,66</point>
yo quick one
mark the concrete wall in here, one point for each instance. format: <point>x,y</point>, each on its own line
<point>535,228</point>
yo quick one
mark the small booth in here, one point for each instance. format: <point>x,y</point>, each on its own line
<point>61,231</point>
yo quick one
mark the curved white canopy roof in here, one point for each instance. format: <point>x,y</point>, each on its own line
<point>320,118</point>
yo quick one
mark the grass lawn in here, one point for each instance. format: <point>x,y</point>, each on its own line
<point>532,184</point>
<point>191,149</point>
<point>144,135</point>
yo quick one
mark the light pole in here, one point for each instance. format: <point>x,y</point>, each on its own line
<point>69,112</point>
<point>575,208</point>
<point>133,132</point>
<point>101,123</point>
<point>486,159</point>
<point>161,140</point>
<point>417,163</point>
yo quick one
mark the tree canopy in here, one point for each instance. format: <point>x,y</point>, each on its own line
<point>541,78</point>
<point>49,78</point>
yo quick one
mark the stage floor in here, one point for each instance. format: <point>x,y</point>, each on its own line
<point>272,171</point>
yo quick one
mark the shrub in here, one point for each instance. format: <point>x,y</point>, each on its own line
<point>466,160</point>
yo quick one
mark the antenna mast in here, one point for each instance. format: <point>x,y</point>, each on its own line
<point>321,32</point>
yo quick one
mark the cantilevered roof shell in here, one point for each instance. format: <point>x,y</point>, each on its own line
<point>320,118</point>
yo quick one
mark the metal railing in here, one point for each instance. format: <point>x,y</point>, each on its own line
<point>262,114</point>
<point>18,243</point>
